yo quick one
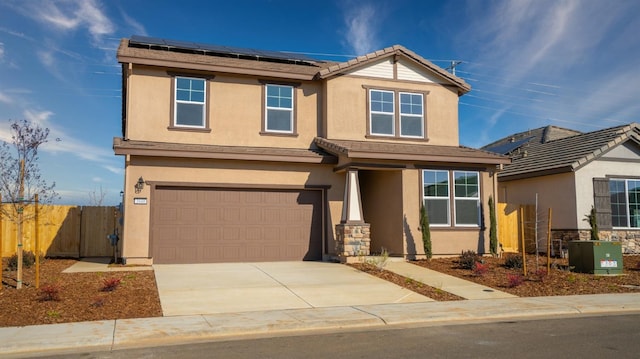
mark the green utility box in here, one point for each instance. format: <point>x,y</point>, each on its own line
<point>596,257</point>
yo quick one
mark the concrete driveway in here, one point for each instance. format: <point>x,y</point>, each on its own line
<point>191,289</point>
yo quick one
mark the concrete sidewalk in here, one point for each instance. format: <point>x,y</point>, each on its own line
<point>460,287</point>
<point>130,333</point>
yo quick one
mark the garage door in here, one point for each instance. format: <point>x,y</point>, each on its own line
<point>205,225</point>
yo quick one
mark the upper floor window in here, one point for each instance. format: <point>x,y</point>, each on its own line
<point>381,108</point>
<point>396,114</point>
<point>279,109</point>
<point>411,115</point>
<point>189,109</point>
<point>437,197</point>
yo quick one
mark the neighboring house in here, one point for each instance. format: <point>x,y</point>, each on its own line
<point>246,155</point>
<point>572,171</point>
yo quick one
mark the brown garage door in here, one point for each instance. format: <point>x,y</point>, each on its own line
<point>205,225</point>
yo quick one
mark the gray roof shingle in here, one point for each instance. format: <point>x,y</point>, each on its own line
<point>542,157</point>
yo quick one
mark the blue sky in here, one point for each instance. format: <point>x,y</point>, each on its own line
<point>530,63</point>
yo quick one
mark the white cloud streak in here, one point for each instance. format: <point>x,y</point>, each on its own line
<point>361,30</point>
<point>72,15</point>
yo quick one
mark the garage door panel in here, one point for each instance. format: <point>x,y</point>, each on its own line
<point>226,225</point>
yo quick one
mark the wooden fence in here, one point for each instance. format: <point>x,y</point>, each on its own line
<point>63,231</point>
<point>514,221</point>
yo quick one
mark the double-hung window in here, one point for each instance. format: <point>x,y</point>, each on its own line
<point>189,108</point>
<point>436,196</point>
<point>279,113</point>
<point>396,114</point>
<point>382,115</point>
<point>465,197</point>
<point>625,203</point>
<point>411,115</point>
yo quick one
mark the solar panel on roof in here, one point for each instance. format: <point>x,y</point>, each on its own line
<point>176,45</point>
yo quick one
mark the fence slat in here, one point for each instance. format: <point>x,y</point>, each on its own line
<point>64,231</point>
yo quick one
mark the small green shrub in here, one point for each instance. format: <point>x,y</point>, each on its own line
<point>468,259</point>
<point>513,261</point>
<point>28,259</point>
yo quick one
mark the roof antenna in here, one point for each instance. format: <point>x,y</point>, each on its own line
<point>452,68</point>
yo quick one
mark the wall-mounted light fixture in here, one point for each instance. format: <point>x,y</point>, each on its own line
<point>139,185</point>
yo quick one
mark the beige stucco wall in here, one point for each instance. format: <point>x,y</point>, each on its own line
<point>235,109</point>
<point>557,192</point>
<point>259,174</point>
<point>346,109</point>
<point>382,201</point>
<point>584,183</point>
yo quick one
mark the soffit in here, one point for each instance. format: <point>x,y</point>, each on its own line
<point>164,149</point>
<point>367,150</point>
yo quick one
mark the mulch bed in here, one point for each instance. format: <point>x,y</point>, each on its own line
<point>538,282</point>
<point>81,295</point>
<point>418,287</point>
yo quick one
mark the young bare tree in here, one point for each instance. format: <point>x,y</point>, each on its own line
<point>20,178</point>
<point>96,197</point>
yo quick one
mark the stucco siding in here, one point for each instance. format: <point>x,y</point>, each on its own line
<point>224,173</point>
<point>347,117</point>
<point>234,107</point>
<point>584,183</point>
<point>557,192</point>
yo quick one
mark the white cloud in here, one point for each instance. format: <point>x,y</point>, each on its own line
<point>1,51</point>
<point>114,169</point>
<point>138,28</point>
<point>72,15</point>
<point>361,29</point>
<point>46,58</point>
<point>4,98</point>
<point>61,142</point>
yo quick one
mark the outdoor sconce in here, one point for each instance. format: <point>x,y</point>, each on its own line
<point>139,185</point>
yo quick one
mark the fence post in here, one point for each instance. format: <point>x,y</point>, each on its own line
<point>37,228</point>
<point>1,239</point>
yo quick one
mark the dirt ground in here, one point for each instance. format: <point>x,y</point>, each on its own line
<point>82,296</point>
<point>540,282</point>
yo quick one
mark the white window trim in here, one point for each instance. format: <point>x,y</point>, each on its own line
<point>421,116</point>
<point>393,114</point>
<point>476,199</point>
<point>267,108</point>
<point>447,198</point>
<point>203,103</point>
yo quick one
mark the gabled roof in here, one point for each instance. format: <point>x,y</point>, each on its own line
<point>194,59</point>
<point>566,154</point>
<point>202,57</point>
<point>403,152</point>
<point>511,143</point>
<point>395,50</point>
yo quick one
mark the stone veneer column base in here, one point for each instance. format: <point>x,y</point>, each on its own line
<point>352,240</point>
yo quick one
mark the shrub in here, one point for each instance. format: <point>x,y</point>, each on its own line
<point>513,261</point>
<point>110,284</point>
<point>28,259</point>
<point>50,292</point>
<point>98,302</point>
<point>426,232</point>
<point>468,259</point>
<point>480,269</point>
<point>514,280</point>
<point>540,274</point>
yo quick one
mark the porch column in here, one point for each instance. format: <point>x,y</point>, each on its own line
<point>352,234</point>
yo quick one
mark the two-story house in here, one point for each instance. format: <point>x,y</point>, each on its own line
<point>245,155</point>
